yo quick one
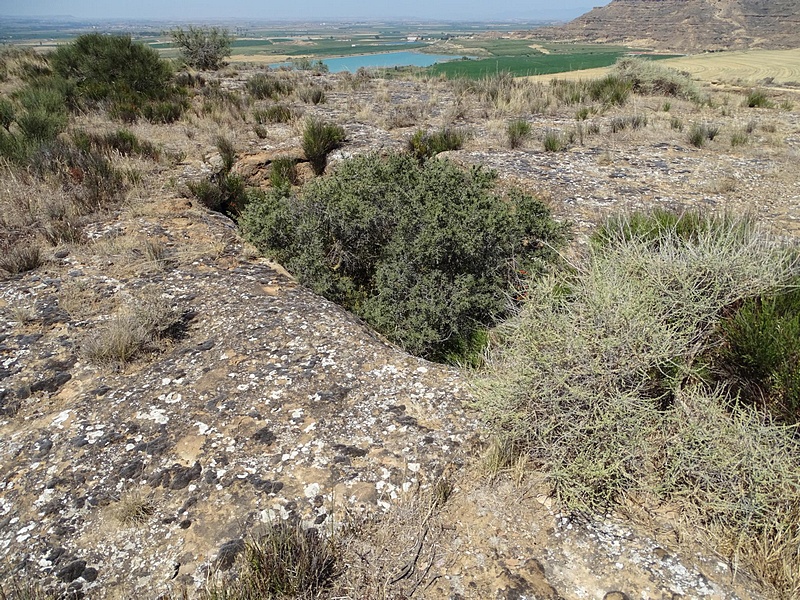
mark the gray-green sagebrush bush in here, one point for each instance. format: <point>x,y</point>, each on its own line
<point>610,381</point>
<point>428,253</point>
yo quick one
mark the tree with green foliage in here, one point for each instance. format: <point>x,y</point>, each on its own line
<point>203,48</point>
<point>430,254</point>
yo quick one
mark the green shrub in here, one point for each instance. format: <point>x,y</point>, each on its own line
<point>318,140</point>
<point>554,141</point>
<point>758,99</point>
<point>676,123</point>
<point>761,353</point>
<point>106,68</point>
<point>601,381</point>
<point>203,48</point>
<point>651,78</point>
<point>699,133</point>
<point>167,111</point>
<point>265,85</point>
<point>223,191</point>
<point>517,131</point>
<point>426,252</point>
<point>424,144</point>
<point>610,90</point>
<point>276,113</point>
<point>283,172</point>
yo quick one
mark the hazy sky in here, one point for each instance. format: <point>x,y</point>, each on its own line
<point>189,10</point>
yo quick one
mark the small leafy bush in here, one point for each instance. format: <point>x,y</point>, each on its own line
<point>424,144</point>
<point>699,133</point>
<point>223,191</point>
<point>517,131</point>
<point>428,253</point>
<point>265,85</point>
<point>167,111</point>
<point>319,139</point>
<point>122,141</point>
<point>203,48</point>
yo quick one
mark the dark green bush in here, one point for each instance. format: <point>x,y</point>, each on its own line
<point>109,68</point>
<point>203,48</point>
<point>167,111</point>
<point>424,144</point>
<point>427,253</point>
<point>761,352</point>
<point>122,141</point>
<point>320,139</point>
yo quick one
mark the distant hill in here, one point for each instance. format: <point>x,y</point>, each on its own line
<point>688,25</point>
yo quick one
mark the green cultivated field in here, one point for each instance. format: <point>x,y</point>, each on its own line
<point>538,64</point>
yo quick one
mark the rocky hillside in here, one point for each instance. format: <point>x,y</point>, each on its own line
<point>259,403</point>
<point>688,25</point>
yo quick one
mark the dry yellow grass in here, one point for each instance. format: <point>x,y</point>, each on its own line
<point>742,67</point>
<point>746,66</point>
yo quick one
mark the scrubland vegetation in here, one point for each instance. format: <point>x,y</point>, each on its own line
<point>656,365</point>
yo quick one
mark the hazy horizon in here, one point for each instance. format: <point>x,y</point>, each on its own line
<point>317,10</point>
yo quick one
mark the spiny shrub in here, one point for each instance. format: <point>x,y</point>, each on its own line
<point>602,381</point>
<point>517,131</point>
<point>265,85</point>
<point>651,78</point>
<point>319,139</point>
<point>424,144</point>
<point>757,99</point>
<point>20,258</point>
<point>428,253</point>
